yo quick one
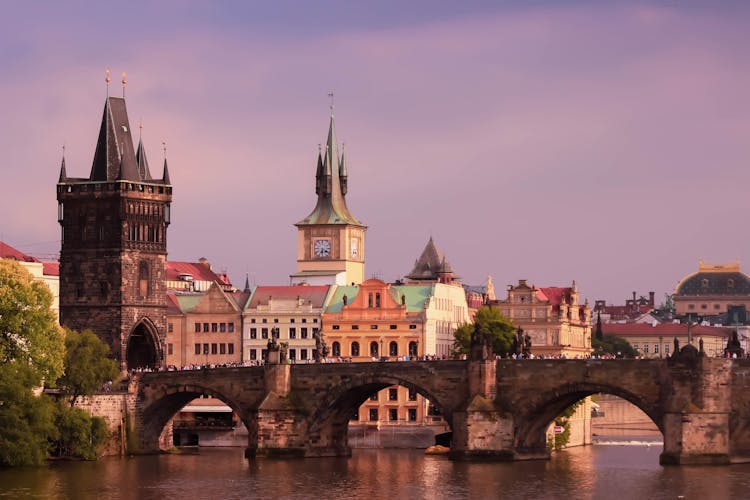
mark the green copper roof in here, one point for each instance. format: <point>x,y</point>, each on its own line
<point>331,187</point>
<point>188,302</point>
<point>416,296</point>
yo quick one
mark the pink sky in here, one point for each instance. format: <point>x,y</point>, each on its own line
<point>606,144</point>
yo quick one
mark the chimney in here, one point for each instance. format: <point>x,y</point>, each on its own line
<point>651,299</point>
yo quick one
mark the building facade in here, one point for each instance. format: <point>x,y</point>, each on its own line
<point>294,311</point>
<point>553,317</point>
<point>657,340</point>
<point>330,241</point>
<point>714,290</point>
<point>46,272</point>
<point>114,245</point>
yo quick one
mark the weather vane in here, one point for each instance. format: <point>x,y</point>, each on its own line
<point>164,147</point>
<point>124,82</point>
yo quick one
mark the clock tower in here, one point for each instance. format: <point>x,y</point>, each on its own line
<point>330,241</point>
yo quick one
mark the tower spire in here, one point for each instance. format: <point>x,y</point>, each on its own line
<point>63,173</point>
<point>165,176</point>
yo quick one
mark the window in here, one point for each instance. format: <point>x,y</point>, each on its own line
<point>293,354</point>
<point>335,327</point>
<point>704,306</point>
<point>413,349</point>
<point>252,320</point>
<point>291,320</point>
<point>170,327</point>
<point>704,283</point>
<point>205,327</point>
<point>691,306</point>
<point>635,346</point>
<point>222,327</point>
<point>197,327</point>
<point>315,320</point>
<point>303,332</point>
<point>355,327</point>
<point>205,349</point>
<point>253,333</point>
<point>373,414</point>
<point>304,320</point>
<point>214,327</point>
<point>355,349</point>
<point>392,327</point>
<point>374,397</point>
<point>374,349</point>
<point>717,306</point>
<point>412,414</point>
<point>369,300</point>
<point>336,349</point>
<point>393,349</point>
<point>230,326</point>
<point>170,349</point>
<point>730,283</point>
<point>292,333</point>
<point>412,327</point>
<point>412,394</point>
<point>222,348</point>
<point>666,349</point>
<point>393,415</point>
<point>264,320</point>
<point>373,327</point>
<point>645,348</point>
<point>377,300</point>
<point>214,349</point>
<point>393,394</point>
<point>253,354</point>
<point>144,281</point>
<point>264,333</point>
<point>275,320</point>
<point>197,348</point>
<point>303,354</point>
<point>230,348</point>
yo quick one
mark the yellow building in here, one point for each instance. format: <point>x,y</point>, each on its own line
<point>657,340</point>
<point>713,290</point>
<point>553,317</point>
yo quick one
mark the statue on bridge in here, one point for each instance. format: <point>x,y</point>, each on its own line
<point>522,343</point>
<point>482,344</point>
<point>734,348</point>
<point>276,352</point>
<point>321,349</point>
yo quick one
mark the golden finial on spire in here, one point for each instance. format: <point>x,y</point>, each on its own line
<point>164,147</point>
<point>330,94</point>
<point>107,80</point>
<point>124,82</point>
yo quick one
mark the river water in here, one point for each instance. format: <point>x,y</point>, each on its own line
<point>600,471</point>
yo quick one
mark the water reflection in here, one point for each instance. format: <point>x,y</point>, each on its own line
<point>585,473</point>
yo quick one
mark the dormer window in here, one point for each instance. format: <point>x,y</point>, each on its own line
<point>730,283</point>
<point>704,283</point>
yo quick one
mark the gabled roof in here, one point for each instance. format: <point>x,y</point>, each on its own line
<point>330,188</point>
<point>554,295</point>
<point>430,263</point>
<point>198,270</point>
<point>8,252</point>
<point>313,295</point>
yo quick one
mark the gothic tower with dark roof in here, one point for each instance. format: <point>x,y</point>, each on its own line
<point>114,245</point>
<point>330,241</point>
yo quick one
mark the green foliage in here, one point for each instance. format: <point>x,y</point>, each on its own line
<point>80,434</point>
<point>29,333</point>
<point>559,441</point>
<point>87,366</point>
<point>27,421</point>
<point>489,319</point>
<point>612,344</point>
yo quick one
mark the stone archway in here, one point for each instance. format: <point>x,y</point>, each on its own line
<point>533,421</point>
<point>143,349</point>
<point>329,424</point>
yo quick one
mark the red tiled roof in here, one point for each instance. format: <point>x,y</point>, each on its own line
<point>173,307</point>
<point>554,295</point>
<point>314,294</point>
<point>664,329</point>
<point>8,252</point>
<point>199,272</point>
<point>51,268</point>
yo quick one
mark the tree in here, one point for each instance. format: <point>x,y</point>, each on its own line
<point>612,344</point>
<point>491,320</point>
<point>87,366</point>
<point>29,333</point>
<point>80,433</point>
<point>31,352</point>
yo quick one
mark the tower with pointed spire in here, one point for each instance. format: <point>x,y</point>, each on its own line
<point>330,241</point>
<point>114,245</point>
<point>432,266</point>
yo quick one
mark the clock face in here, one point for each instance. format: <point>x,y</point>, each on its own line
<point>355,249</point>
<point>322,248</point>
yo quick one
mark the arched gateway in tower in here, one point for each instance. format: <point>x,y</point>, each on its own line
<point>114,245</point>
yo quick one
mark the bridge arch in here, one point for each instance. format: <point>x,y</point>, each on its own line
<point>164,401</point>
<point>535,418</point>
<point>329,421</point>
<point>143,350</point>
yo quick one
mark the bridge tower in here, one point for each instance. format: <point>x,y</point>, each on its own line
<point>114,245</point>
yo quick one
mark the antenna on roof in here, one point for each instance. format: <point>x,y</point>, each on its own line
<point>124,82</point>
<point>107,80</point>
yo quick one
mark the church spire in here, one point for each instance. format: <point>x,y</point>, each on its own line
<point>114,158</point>
<point>142,162</point>
<point>331,185</point>
<point>63,173</point>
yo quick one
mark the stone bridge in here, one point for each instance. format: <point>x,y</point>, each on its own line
<point>496,409</point>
